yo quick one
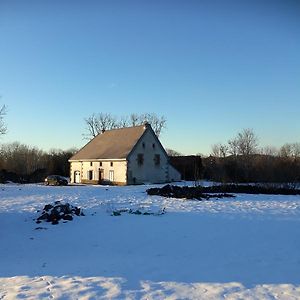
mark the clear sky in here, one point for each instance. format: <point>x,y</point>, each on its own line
<point>211,68</point>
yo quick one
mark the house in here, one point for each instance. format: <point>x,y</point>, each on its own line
<point>131,155</point>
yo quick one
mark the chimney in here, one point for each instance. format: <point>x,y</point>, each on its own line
<point>146,125</point>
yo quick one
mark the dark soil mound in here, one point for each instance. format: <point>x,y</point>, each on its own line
<point>185,192</point>
<point>250,189</point>
<point>59,211</point>
<point>219,191</point>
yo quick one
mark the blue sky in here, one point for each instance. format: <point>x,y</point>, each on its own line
<point>211,68</point>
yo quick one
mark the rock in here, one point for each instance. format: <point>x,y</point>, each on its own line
<point>44,216</point>
<point>77,211</point>
<point>67,217</point>
<point>48,207</point>
<point>116,213</point>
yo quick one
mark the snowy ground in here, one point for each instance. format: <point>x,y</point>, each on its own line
<point>246,247</point>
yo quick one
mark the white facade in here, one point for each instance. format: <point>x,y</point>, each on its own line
<point>99,171</point>
<point>148,162</point>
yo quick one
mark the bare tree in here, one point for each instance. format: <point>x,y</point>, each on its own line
<point>219,150</point>
<point>3,128</point>
<point>124,122</point>
<point>233,147</point>
<point>215,150</point>
<point>247,142</point>
<point>101,122</point>
<point>269,150</point>
<point>286,150</point>
<point>157,123</point>
<point>134,119</point>
<point>91,125</point>
<point>172,152</point>
<point>290,150</point>
<point>296,149</point>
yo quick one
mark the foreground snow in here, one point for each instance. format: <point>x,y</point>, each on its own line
<point>242,248</point>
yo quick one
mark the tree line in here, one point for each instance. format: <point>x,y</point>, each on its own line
<point>25,164</point>
<point>242,160</point>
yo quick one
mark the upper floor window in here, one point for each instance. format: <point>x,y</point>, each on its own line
<point>100,163</point>
<point>91,163</point>
<point>157,159</point>
<point>111,164</point>
<point>153,146</point>
<point>143,145</point>
<point>140,159</point>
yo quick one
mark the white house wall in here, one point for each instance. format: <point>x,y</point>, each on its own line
<point>119,168</point>
<point>148,171</point>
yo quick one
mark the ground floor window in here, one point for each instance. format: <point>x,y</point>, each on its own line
<point>90,175</point>
<point>111,175</point>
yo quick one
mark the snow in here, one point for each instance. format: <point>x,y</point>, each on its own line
<point>246,247</point>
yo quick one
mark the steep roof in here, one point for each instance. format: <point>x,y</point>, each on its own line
<point>111,144</point>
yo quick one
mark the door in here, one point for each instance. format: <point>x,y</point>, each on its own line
<point>101,175</point>
<point>77,177</point>
<point>111,175</point>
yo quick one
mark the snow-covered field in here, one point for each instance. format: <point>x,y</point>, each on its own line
<point>246,247</point>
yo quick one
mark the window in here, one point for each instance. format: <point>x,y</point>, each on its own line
<point>144,145</point>
<point>100,163</point>
<point>153,146</point>
<point>90,175</point>
<point>157,159</point>
<point>100,174</point>
<point>111,175</point>
<point>140,159</point>
<point>111,164</point>
<point>91,163</point>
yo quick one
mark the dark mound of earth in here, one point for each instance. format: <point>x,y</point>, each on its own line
<point>219,191</point>
<point>185,192</point>
<point>59,211</point>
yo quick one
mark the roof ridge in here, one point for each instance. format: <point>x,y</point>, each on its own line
<point>120,128</point>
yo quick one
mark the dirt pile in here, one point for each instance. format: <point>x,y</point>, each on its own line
<point>59,211</point>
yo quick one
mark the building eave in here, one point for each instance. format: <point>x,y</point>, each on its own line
<point>96,159</point>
